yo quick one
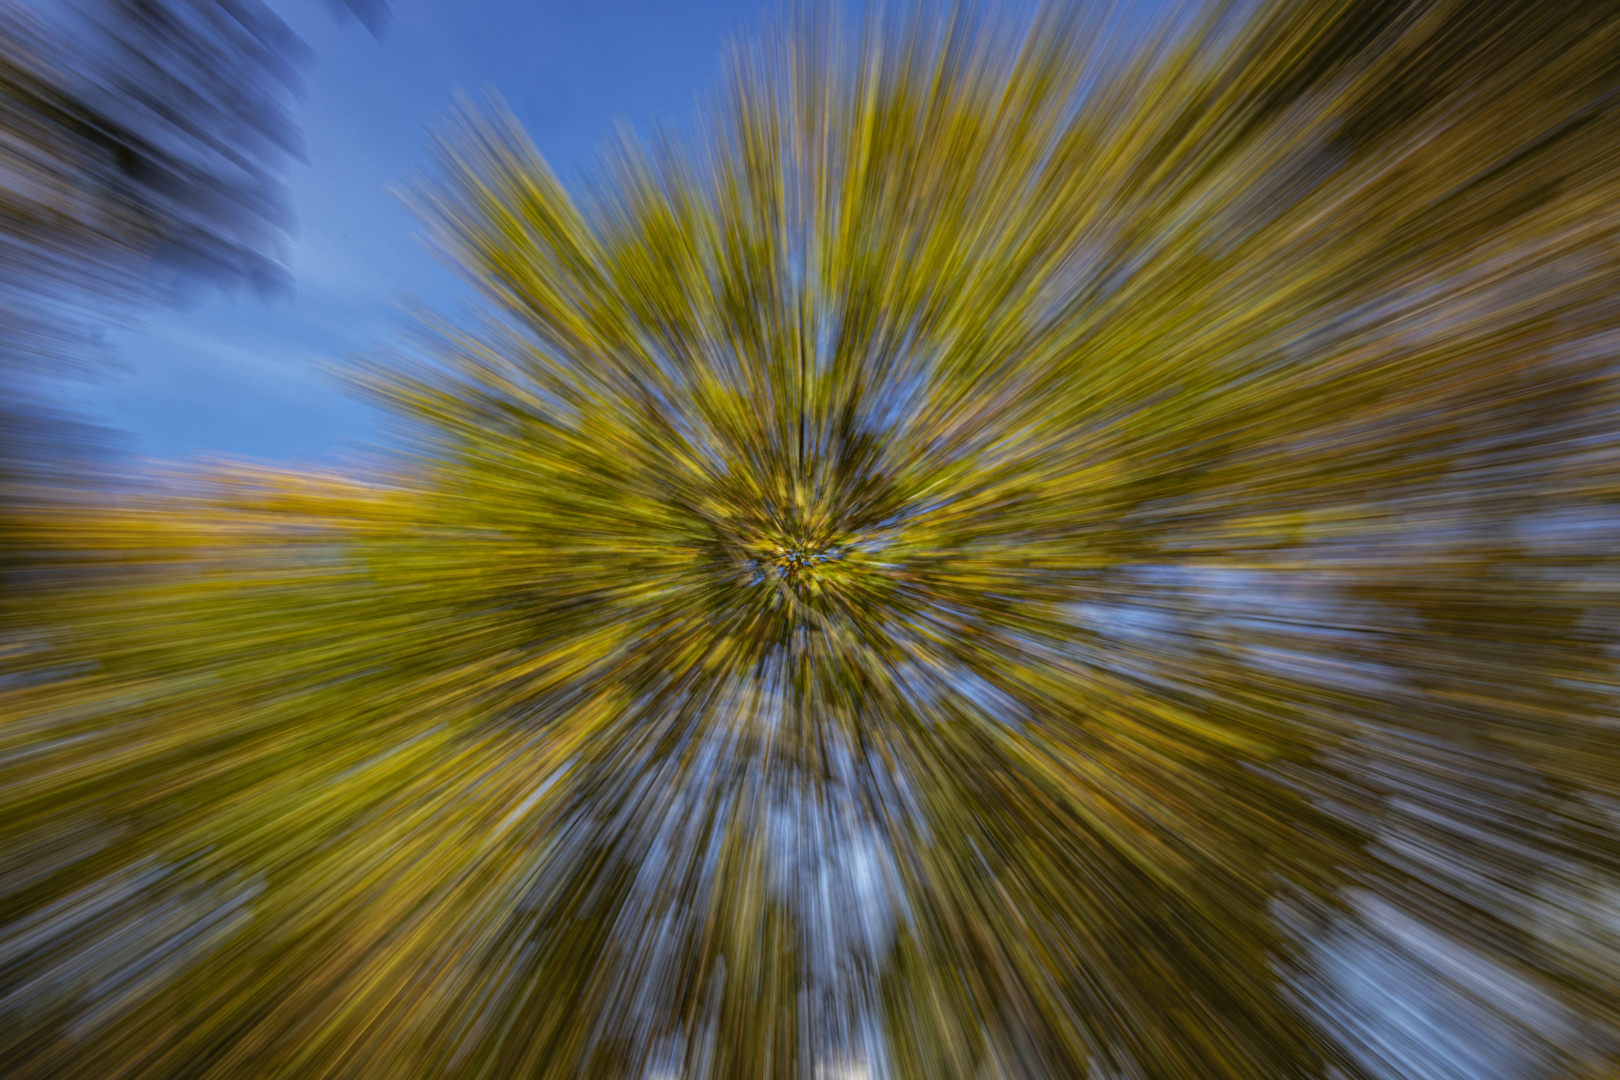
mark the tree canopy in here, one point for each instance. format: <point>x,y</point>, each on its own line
<point>1006,548</point>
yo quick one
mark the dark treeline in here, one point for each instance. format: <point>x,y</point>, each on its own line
<point>142,147</point>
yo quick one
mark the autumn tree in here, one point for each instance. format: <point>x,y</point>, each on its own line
<point>1011,548</point>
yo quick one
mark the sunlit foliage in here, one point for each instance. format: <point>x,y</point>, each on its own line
<point>1036,545</point>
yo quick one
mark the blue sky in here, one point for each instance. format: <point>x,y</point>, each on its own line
<point>242,376</point>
